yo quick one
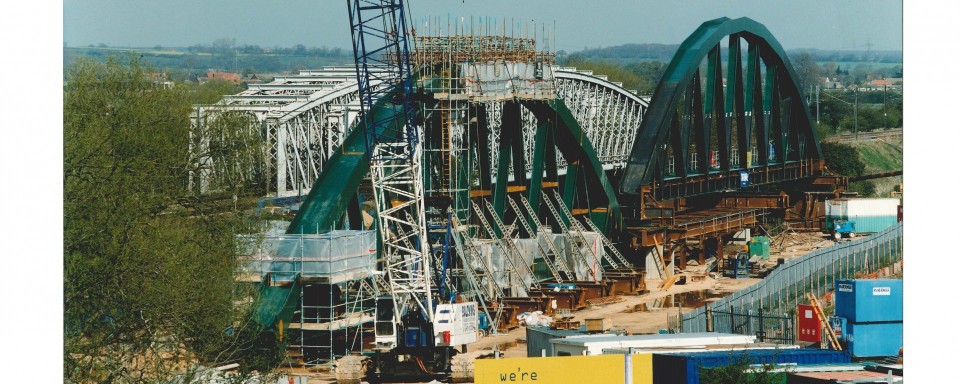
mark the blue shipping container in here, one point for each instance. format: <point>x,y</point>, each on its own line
<point>869,300</point>
<point>874,339</point>
<point>684,368</point>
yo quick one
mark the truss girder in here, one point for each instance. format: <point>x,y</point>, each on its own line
<point>304,118</point>
<point>609,115</point>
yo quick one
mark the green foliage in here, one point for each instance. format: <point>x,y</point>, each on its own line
<point>148,266</point>
<point>837,110</point>
<point>651,71</point>
<point>642,77</point>
<point>740,371</point>
<point>823,130</point>
<point>845,160</point>
<point>632,52</point>
<point>224,54</point>
<point>880,156</point>
<point>842,159</point>
<point>864,188</point>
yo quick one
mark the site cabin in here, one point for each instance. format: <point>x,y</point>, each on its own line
<point>849,217</point>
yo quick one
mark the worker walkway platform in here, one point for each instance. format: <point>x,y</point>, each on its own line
<point>332,257</point>
<point>351,320</point>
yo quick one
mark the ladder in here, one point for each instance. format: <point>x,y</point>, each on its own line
<point>566,232</point>
<point>503,249</point>
<point>608,244</point>
<point>546,257</point>
<point>445,126</point>
<point>824,323</point>
<point>559,258</point>
<point>580,230</point>
<point>658,260</point>
<point>479,291</point>
<point>507,238</point>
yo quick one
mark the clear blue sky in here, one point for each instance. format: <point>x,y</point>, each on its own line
<point>579,23</point>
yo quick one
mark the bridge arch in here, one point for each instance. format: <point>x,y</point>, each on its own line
<point>756,120</point>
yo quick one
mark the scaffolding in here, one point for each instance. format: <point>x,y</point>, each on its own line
<point>337,289</point>
<point>467,69</point>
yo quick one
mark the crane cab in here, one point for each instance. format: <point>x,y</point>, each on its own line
<point>385,324</point>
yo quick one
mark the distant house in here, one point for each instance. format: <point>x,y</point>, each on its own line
<point>159,79</point>
<point>227,76</point>
<point>888,83</point>
<point>252,79</point>
<point>828,83</point>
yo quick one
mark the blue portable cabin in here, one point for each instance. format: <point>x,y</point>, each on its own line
<point>869,300</point>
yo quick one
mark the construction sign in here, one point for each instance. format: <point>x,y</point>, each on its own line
<point>612,369</point>
<point>808,325</point>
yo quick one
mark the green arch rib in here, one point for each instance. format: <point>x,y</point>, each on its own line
<point>678,76</point>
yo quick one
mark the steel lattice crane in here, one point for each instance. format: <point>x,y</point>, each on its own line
<point>406,321</point>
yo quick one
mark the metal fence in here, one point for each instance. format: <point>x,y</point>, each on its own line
<point>785,287</point>
<point>771,328</point>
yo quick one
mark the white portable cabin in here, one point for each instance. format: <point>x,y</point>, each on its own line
<point>595,344</point>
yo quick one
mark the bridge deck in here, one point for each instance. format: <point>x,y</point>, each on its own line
<point>694,225</point>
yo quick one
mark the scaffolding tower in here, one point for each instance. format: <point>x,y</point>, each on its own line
<point>335,283</point>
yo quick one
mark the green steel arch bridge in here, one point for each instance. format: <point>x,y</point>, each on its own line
<point>728,104</point>
<point>606,182</point>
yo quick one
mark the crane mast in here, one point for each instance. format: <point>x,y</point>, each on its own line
<point>394,148</point>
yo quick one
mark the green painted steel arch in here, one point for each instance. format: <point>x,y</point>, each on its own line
<point>678,78</point>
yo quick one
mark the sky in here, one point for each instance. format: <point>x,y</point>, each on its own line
<point>579,24</point>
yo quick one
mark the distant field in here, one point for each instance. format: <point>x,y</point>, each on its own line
<point>849,65</point>
<point>184,63</point>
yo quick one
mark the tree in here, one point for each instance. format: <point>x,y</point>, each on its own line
<point>613,71</point>
<point>808,72</point>
<point>650,73</point>
<point>844,160</point>
<point>148,266</point>
<point>223,51</point>
<point>740,371</point>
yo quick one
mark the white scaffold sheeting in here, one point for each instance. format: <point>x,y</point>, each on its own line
<point>334,257</point>
<point>508,80</point>
<point>501,268</point>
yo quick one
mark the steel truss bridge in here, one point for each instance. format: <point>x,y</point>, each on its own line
<point>305,118</point>
<point>645,172</point>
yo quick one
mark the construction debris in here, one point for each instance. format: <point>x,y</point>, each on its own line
<point>352,369</point>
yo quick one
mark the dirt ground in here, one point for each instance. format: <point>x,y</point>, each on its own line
<point>642,314</point>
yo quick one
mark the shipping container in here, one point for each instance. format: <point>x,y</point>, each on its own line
<point>684,368</point>
<point>868,215</point>
<point>869,300</point>
<point>874,339</point>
